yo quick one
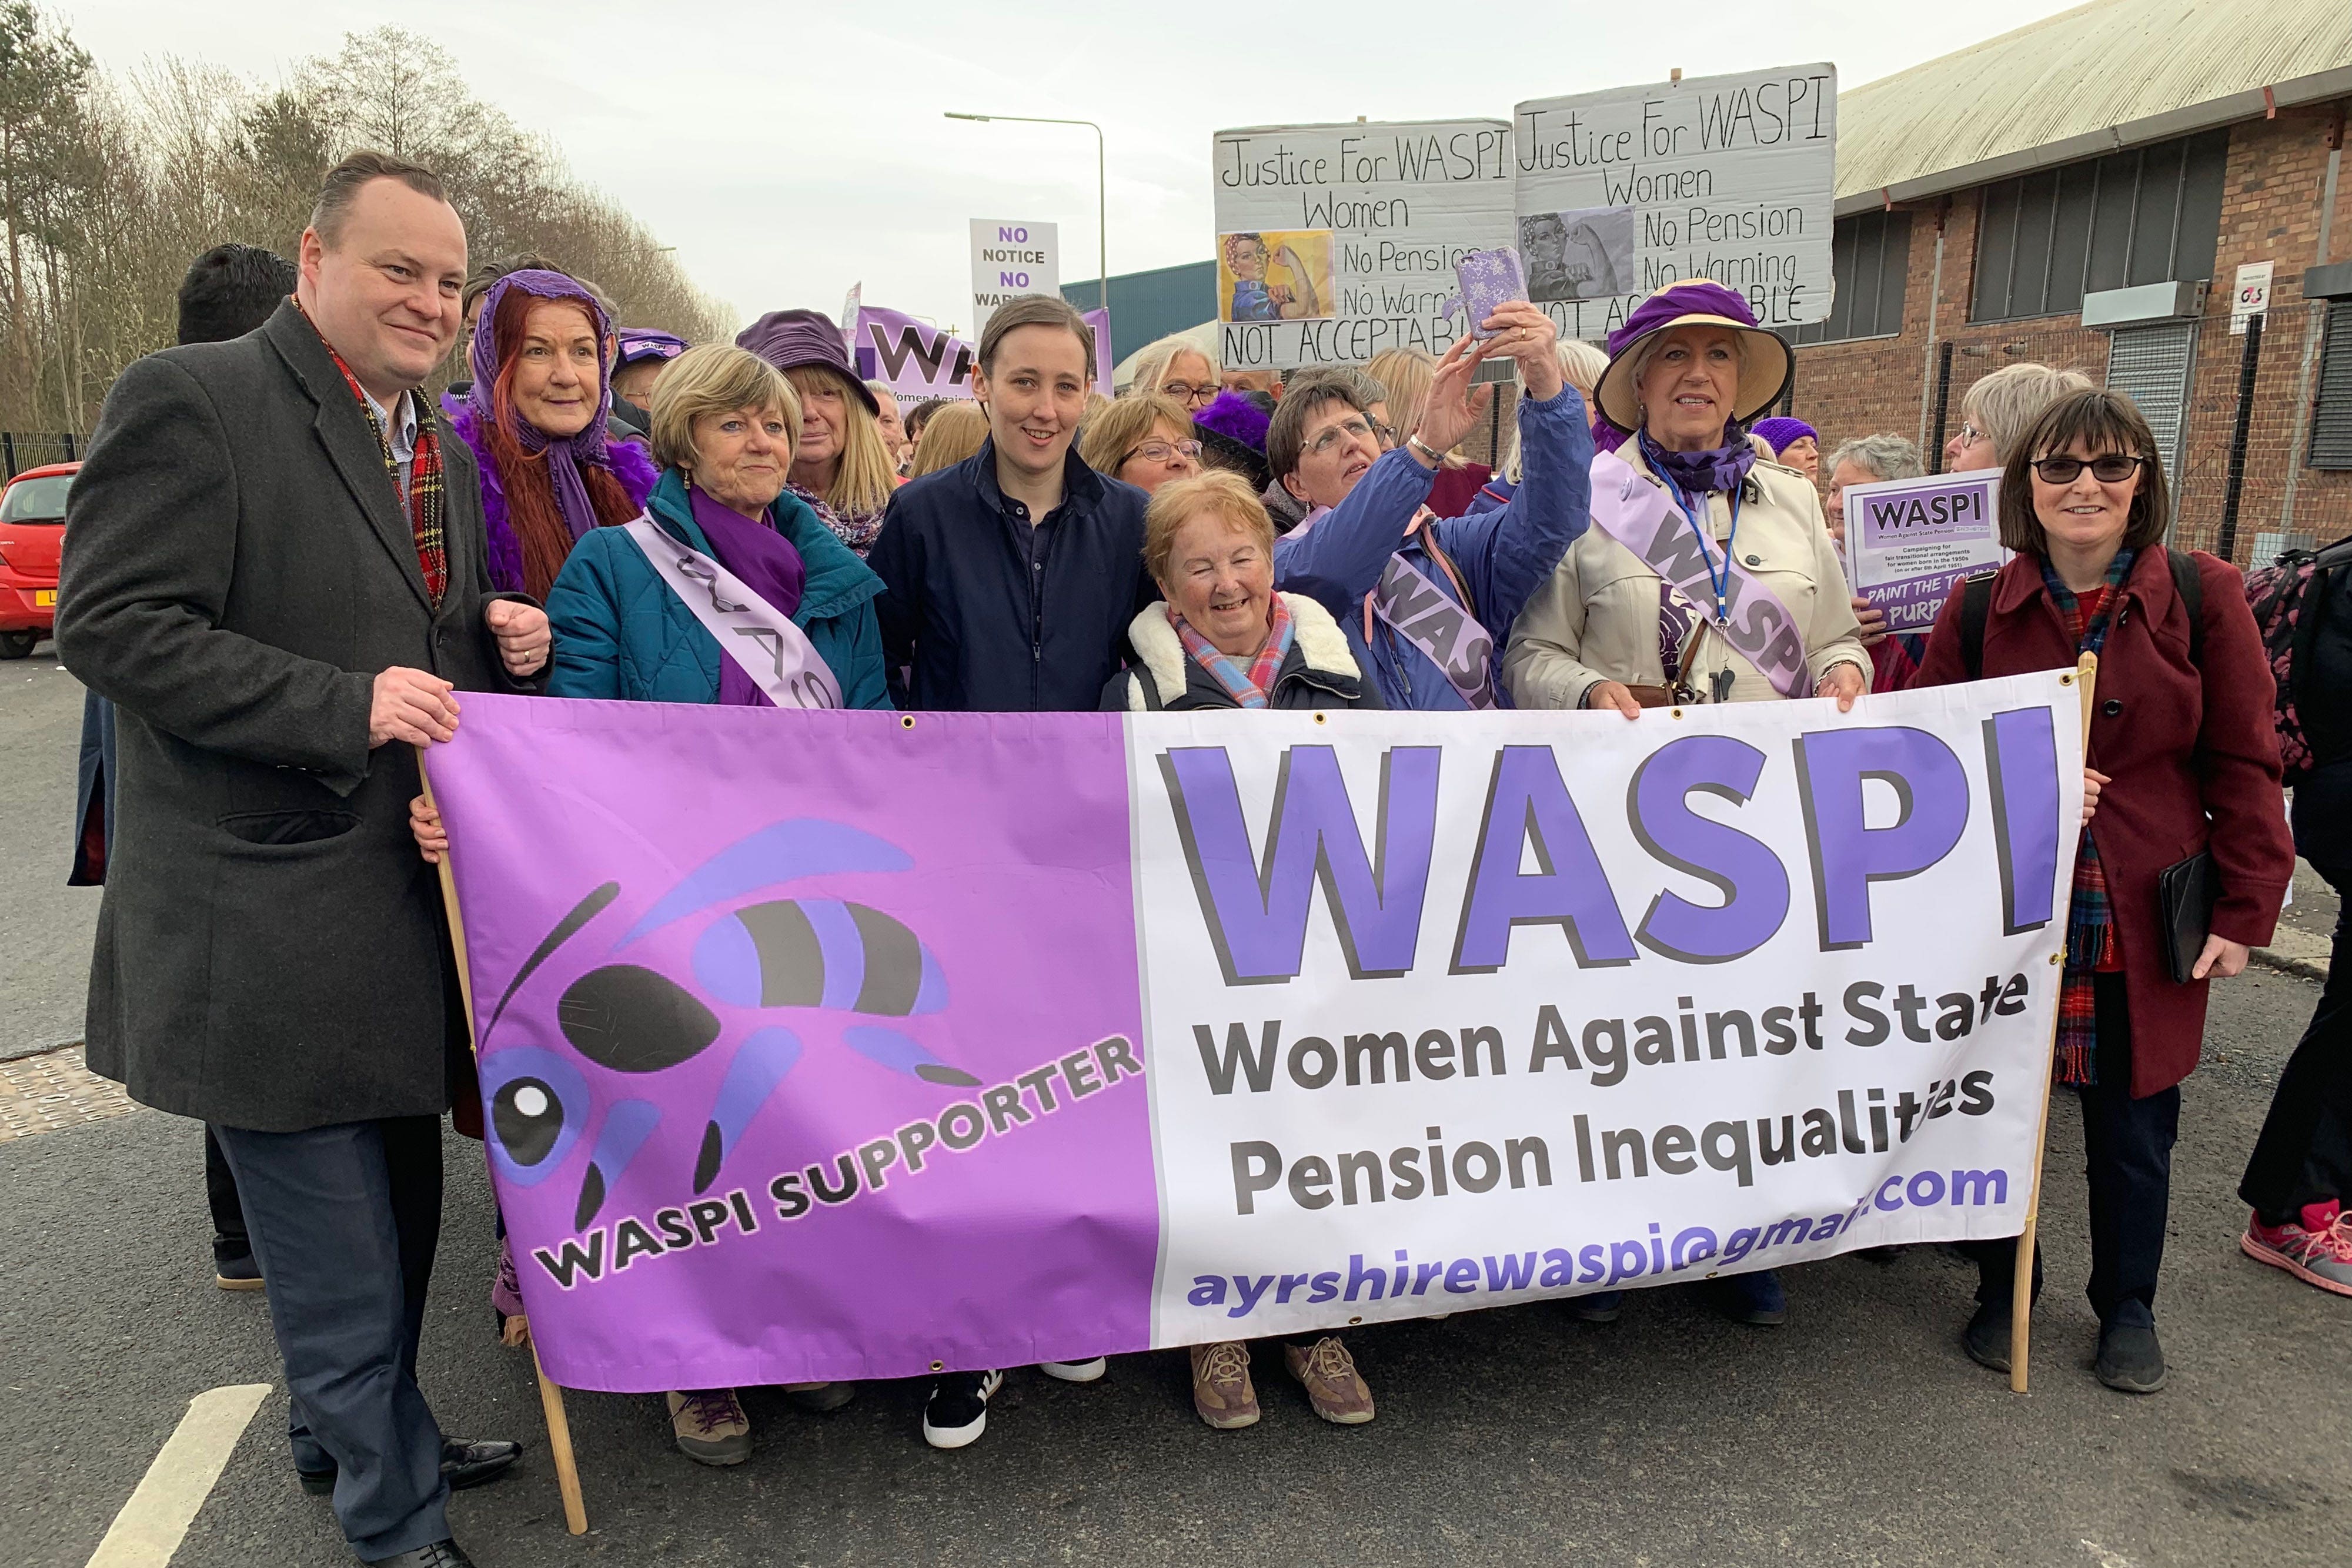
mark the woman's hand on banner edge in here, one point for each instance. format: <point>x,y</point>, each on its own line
<point>2092,781</point>
<point>523,635</point>
<point>1842,681</point>
<point>1613,693</point>
<point>2221,959</point>
<point>432,838</point>
<point>412,705</point>
<point>1532,338</point>
<point>1452,409</point>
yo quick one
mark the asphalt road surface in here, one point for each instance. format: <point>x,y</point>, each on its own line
<point>45,925</point>
<point>1856,1434</point>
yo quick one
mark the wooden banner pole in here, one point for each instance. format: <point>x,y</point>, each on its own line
<point>2020,1300</point>
<point>550,1396</point>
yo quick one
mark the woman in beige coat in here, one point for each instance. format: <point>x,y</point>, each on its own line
<point>1686,371</point>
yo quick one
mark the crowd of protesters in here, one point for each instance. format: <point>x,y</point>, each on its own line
<point>285,564</point>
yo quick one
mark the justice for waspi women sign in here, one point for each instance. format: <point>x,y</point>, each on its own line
<point>836,1045</point>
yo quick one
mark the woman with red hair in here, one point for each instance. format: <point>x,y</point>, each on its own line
<point>543,359</point>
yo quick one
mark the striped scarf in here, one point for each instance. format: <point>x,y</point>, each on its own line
<point>424,484</point>
<point>1250,687</point>
<point>2090,917</point>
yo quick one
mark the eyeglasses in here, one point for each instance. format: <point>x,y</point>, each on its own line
<point>2107,468</point>
<point>1356,428</point>
<point>1191,395</point>
<point>1161,452</point>
<point>1970,435</point>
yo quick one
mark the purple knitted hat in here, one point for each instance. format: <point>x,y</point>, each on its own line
<point>1763,372</point>
<point>1232,415</point>
<point>796,339</point>
<point>1780,432</point>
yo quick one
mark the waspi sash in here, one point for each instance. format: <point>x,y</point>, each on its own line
<point>1643,518</point>
<point>760,639</point>
<point>1417,609</point>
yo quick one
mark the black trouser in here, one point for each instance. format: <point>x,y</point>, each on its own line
<point>344,1220</point>
<point>230,1243</point>
<point>2313,1107</point>
<point>2128,1155</point>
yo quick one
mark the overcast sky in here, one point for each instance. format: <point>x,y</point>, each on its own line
<point>789,151</point>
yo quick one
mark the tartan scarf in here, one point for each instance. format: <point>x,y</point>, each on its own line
<point>1250,687</point>
<point>2090,916</point>
<point>424,483</point>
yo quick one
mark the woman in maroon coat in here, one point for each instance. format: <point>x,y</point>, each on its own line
<point>2188,760</point>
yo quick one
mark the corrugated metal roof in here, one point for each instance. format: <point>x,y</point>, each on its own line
<point>2070,81</point>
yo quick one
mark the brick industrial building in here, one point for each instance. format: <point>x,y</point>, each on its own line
<point>2083,192</point>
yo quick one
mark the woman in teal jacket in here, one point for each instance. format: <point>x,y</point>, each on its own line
<point>723,427</point>
<point>724,422</point>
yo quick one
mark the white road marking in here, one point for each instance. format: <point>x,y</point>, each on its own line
<point>152,1525</point>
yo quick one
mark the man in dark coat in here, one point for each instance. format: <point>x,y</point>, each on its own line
<point>275,567</point>
<point>230,290</point>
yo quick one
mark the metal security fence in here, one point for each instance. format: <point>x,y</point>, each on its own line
<point>18,453</point>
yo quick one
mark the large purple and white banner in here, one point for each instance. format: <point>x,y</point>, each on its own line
<point>836,1045</point>
<point>918,359</point>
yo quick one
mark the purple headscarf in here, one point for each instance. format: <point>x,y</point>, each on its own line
<point>566,455</point>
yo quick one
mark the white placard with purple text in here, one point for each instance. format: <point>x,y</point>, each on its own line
<point>1907,541</point>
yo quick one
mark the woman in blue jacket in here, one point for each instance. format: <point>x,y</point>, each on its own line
<point>724,423</point>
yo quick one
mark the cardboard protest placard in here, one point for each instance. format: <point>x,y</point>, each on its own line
<point>1907,541</point>
<point>1624,192</point>
<point>1010,260</point>
<point>1336,242</point>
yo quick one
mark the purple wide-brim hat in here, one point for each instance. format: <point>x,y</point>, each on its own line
<point>797,340</point>
<point>1764,368</point>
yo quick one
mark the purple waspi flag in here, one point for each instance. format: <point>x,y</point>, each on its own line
<point>819,1045</point>
<point>919,359</point>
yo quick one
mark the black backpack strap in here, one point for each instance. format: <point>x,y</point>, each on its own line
<point>1976,608</point>
<point>2189,583</point>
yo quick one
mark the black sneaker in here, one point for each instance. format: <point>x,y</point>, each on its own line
<point>957,1412</point>
<point>2129,1358</point>
<point>1986,1339</point>
<point>1600,1307</point>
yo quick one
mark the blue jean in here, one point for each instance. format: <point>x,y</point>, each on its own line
<point>344,1220</point>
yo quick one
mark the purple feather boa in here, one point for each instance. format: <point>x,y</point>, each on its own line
<point>630,465</point>
<point>1231,414</point>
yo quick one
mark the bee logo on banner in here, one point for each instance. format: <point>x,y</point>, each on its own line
<point>1336,242</point>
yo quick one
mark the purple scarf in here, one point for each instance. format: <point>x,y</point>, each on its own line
<point>566,455</point>
<point>1697,474</point>
<point>767,564</point>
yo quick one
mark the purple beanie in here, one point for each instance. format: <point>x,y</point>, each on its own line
<point>1233,415</point>
<point>1780,432</point>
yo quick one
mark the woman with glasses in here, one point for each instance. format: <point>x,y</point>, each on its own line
<point>2187,762</point>
<point>1996,413</point>
<point>1178,369</point>
<point>1142,439</point>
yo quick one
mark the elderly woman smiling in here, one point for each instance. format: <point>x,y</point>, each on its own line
<point>1225,638</point>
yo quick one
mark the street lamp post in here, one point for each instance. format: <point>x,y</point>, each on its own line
<point>1102,188</point>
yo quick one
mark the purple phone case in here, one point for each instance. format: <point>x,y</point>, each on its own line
<point>1488,278</point>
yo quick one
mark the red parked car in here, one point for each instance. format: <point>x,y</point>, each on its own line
<point>32,530</point>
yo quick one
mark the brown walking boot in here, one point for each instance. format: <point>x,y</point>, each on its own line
<point>1222,1391</point>
<point>1333,1387</point>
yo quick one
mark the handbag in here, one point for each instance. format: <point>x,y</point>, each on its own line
<point>1676,690</point>
<point>2186,892</point>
